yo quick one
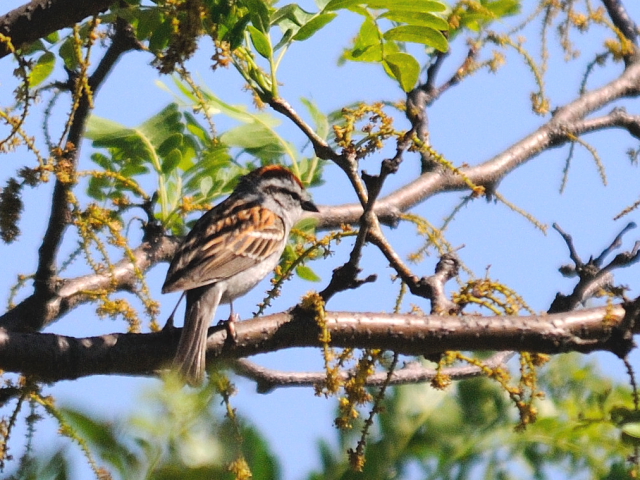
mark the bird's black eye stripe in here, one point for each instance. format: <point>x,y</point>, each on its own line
<point>286,191</point>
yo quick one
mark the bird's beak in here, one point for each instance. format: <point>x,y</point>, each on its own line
<point>309,206</point>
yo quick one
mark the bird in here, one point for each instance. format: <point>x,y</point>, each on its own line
<point>229,250</point>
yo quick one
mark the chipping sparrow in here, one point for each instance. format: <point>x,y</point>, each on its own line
<point>229,250</point>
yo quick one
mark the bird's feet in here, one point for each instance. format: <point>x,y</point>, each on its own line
<point>230,325</point>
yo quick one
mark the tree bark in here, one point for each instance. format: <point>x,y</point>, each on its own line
<point>40,18</point>
<point>53,357</point>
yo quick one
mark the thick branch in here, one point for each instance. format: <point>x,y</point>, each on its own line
<point>54,357</point>
<point>39,18</point>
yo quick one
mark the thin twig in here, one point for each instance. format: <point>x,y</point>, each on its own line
<point>268,379</point>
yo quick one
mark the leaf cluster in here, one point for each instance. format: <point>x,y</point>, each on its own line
<point>189,165</point>
<point>389,28</point>
<point>468,432</point>
<point>176,434</point>
<point>172,148</point>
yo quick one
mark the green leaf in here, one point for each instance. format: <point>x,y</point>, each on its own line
<point>162,125</point>
<point>263,462</point>
<point>368,44</point>
<point>171,161</point>
<point>307,273</point>
<point>215,105</point>
<point>307,225</point>
<point>52,38</point>
<point>503,8</point>
<point>630,440</point>
<point>258,140</point>
<point>194,127</point>
<point>260,42</point>
<point>621,415</point>
<point>132,169</point>
<point>319,119</point>
<point>31,48</point>
<point>424,19</point>
<point>190,149</point>
<point>475,20</point>
<point>171,143</point>
<point>68,53</point>
<point>235,36</point>
<point>339,4</point>
<point>415,34</point>
<point>293,14</point>
<point>148,21</point>
<point>286,39</point>
<point>289,19</point>
<point>315,24</point>
<point>161,35</point>
<point>103,438</point>
<point>133,149</point>
<point>101,160</point>
<point>102,129</point>
<point>42,69</point>
<point>411,5</point>
<point>252,135</point>
<point>97,188</point>
<point>259,14</point>
<point>205,185</point>
<point>311,171</point>
<point>632,429</point>
<point>405,68</point>
<point>214,163</point>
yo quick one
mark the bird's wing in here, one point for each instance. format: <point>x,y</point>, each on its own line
<point>223,243</point>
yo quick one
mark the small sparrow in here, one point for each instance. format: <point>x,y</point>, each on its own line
<point>230,249</point>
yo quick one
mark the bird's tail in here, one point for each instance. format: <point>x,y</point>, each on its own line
<point>190,357</point>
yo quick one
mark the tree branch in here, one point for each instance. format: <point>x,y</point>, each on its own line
<point>620,18</point>
<point>39,18</point>
<point>593,276</point>
<point>320,146</point>
<point>123,40</point>
<point>45,281</point>
<point>413,372</point>
<point>618,117</point>
<point>31,315</point>
<point>54,357</point>
<point>556,132</point>
<point>345,277</point>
